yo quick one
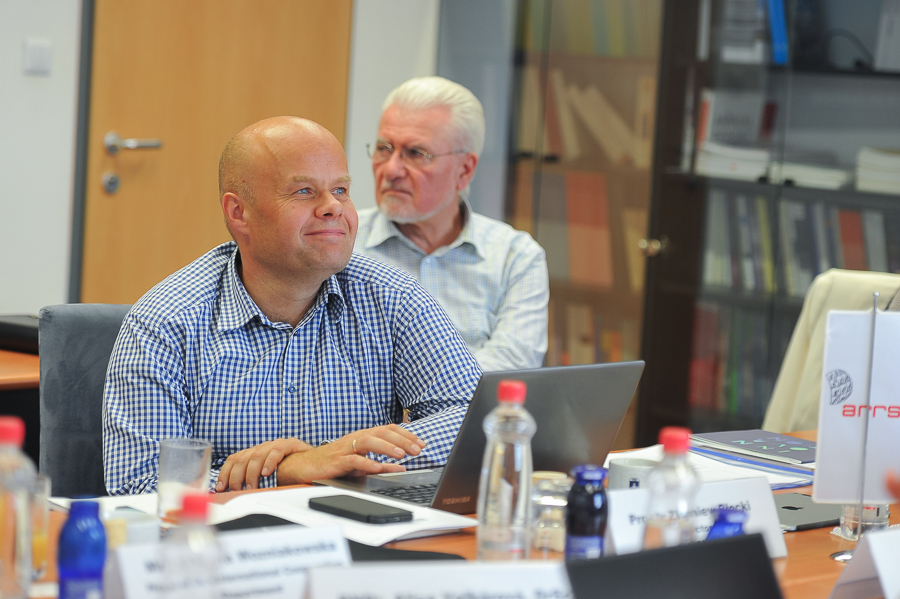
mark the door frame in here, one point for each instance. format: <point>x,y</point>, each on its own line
<point>83,111</point>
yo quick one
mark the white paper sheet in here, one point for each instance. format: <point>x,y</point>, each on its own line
<point>143,503</point>
<point>710,470</point>
<point>293,505</point>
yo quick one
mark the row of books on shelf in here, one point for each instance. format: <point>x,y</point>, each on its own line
<point>581,335</point>
<point>573,226</point>
<point>735,357</point>
<point>877,169</point>
<point>594,27</point>
<point>551,118</point>
<point>743,248</point>
<point>732,125</point>
<point>750,32</point>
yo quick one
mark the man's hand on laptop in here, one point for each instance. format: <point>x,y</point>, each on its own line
<point>346,456</point>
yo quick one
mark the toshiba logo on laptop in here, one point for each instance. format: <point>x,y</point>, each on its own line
<point>454,500</point>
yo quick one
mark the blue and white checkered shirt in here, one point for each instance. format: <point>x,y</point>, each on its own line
<point>197,358</point>
<point>492,281</point>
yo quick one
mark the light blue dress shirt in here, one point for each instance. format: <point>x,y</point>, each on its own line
<point>492,281</point>
<point>197,358</point>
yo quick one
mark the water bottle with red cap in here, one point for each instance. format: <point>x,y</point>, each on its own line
<point>504,493</point>
<point>17,472</point>
<point>192,553</point>
<point>673,485</point>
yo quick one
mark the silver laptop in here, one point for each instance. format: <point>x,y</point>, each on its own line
<point>578,410</point>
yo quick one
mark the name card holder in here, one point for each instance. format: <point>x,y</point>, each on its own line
<point>628,513</point>
<point>873,570</point>
<point>255,564</point>
<point>464,580</point>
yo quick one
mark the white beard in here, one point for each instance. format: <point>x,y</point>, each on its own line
<point>405,214</point>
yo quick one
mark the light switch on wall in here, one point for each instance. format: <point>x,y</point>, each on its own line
<point>36,57</point>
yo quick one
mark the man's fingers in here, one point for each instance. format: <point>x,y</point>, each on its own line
<point>274,458</point>
<point>407,434</point>
<point>258,459</point>
<point>390,440</point>
<point>224,473</point>
<point>368,444</point>
<point>238,474</point>
<point>893,484</point>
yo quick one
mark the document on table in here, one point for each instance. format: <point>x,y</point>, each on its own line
<point>710,470</point>
<point>143,503</point>
<point>293,505</point>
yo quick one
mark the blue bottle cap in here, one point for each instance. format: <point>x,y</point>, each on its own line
<point>588,473</point>
<point>731,516</point>
<point>84,508</point>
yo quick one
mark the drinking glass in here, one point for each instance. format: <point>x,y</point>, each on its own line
<point>549,498</point>
<point>183,466</point>
<point>40,520</point>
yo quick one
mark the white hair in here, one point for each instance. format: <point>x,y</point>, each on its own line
<point>466,112</point>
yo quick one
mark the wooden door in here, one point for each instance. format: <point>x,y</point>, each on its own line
<point>193,74</point>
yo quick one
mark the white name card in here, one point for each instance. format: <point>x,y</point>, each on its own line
<point>873,570</point>
<point>628,513</point>
<point>449,580</point>
<point>255,564</point>
<point>844,413</point>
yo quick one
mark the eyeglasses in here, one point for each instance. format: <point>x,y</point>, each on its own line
<point>382,151</point>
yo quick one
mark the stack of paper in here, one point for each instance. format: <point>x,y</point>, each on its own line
<point>293,505</point>
<point>808,175</point>
<point>732,162</point>
<point>878,170</point>
<point>758,443</point>
<point>710,470</point>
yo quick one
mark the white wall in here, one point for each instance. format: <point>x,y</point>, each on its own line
<point>393,40</point>
<point>37,153</point>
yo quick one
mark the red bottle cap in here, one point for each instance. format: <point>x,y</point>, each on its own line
<point>12,430</point>
<point>195,507</point>
<point>511,391</point>
<point>675,439</point>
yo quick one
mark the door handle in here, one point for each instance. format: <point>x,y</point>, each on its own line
<point>113,142</point>
<point>654,247</point>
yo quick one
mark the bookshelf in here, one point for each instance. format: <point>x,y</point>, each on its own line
<point>580,167</point>
<point>761,180</point>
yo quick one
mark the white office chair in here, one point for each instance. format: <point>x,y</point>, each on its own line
<point>795,400</point>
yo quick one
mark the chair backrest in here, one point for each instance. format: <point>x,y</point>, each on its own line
<point>795,399</point>
<point>76,341</point>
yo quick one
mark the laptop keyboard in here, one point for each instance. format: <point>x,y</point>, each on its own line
<point>415,494</point>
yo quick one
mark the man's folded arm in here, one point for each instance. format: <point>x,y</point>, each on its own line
<point>143,401</point>
<point>435,377</point>
<point>519,339</point>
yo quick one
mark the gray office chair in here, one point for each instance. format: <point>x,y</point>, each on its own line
<point>75,342</point>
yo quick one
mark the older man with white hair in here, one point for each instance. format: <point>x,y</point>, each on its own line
<point>490,278</point>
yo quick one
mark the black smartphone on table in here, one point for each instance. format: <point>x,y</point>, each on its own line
<point>362,510</point>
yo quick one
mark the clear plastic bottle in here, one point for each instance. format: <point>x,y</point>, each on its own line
<point>82,552</point>
<point>504,493</point>
<point>17,473</point>
<point>673,485</point>
<point>191,554</point>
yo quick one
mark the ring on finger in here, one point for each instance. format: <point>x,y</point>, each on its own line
<point>354,445</point>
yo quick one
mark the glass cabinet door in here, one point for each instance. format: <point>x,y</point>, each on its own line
<point>777,132</point>
<point>584,113</point>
